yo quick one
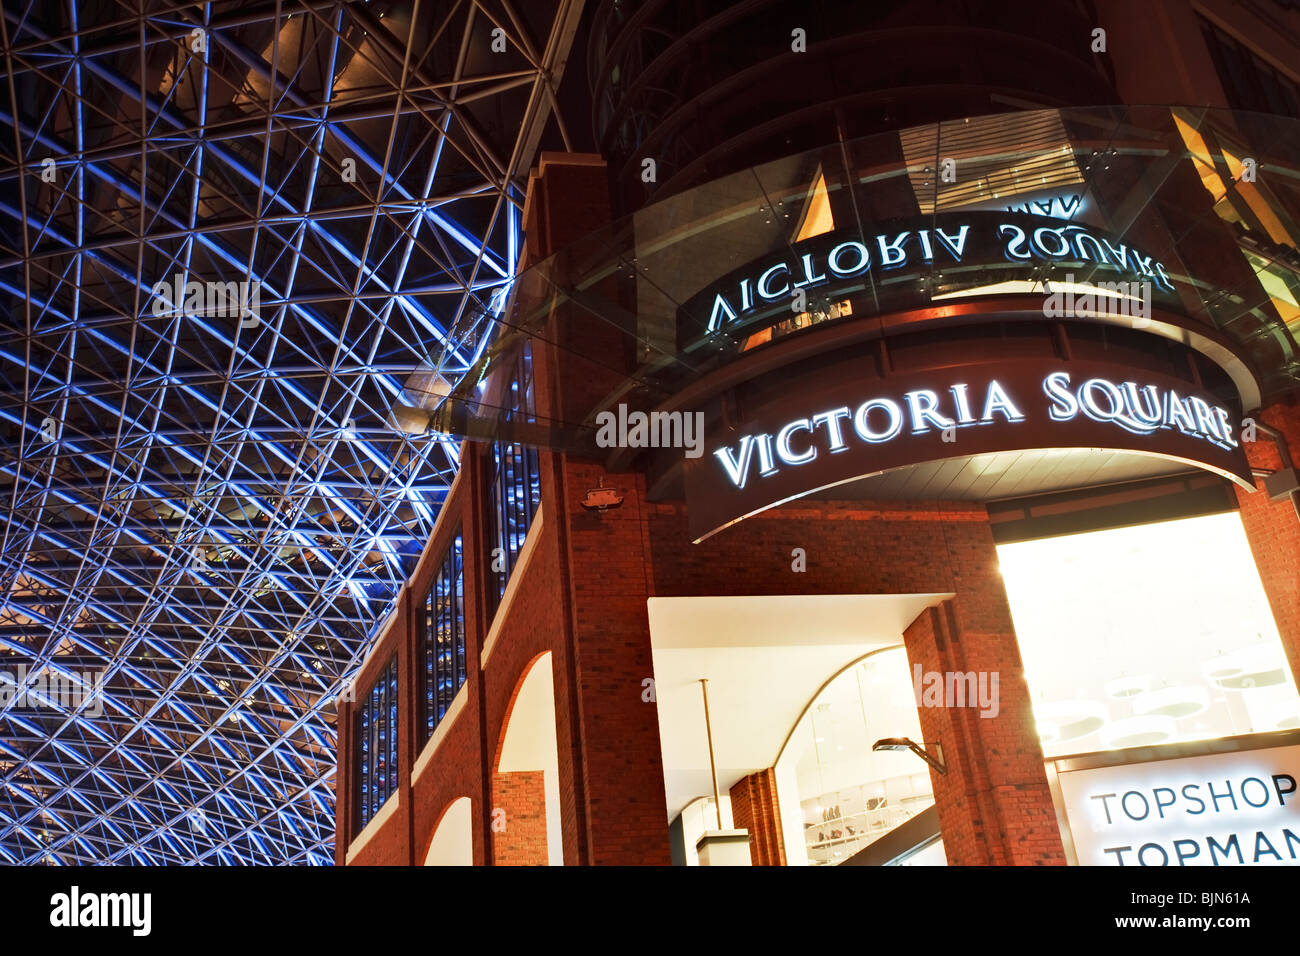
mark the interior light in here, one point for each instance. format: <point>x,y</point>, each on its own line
<point>1141,731</point>
<point>1177,702</point>
<point>1072,719</point>
<point>1122,688</point>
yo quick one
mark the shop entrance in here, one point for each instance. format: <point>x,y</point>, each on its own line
<point>799,688</point>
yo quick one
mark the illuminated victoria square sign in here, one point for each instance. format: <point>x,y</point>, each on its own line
<point>847,261</point>
<point>840,427</point>
<point>1142,409</point>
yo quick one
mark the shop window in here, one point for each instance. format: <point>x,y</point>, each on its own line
<point>516,493</point>
<point>514,482</point>
<point>1146,635</point>
<point>377,739</point>
<point>444,637</point>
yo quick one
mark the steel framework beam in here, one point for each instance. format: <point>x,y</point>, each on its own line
<point>210,517</point>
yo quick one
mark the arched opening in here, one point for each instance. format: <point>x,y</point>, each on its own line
<point>453,838</point>
<point>525,811</point>
<point>770,662</point>
<point>837,796</point>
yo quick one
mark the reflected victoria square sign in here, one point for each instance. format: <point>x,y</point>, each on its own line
<point>845,261</point>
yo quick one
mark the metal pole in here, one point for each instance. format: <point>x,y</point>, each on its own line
<point>713,767</point>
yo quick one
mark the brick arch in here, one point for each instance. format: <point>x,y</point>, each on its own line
<point>524,814</point>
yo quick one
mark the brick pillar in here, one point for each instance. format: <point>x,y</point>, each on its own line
<point>519,818</point>
<point>617,775</point>
<point>994,804</point>
<point>344,798</point>
<point>1273,527</point>
<point>754,808</point>
<point>408,709</point>
<point>607,572</point>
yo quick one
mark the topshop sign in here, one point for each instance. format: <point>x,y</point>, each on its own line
<point>822,432</point>
<point>1227,809</point>
<point>848,261</point>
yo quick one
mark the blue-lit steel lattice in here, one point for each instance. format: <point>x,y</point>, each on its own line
<point>514,479</point>
<point>444,637</point>
<point>377,734</point>
<point>209,510</point>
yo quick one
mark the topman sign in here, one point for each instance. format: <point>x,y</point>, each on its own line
<point>851,261</point>
<point>1220,809</point>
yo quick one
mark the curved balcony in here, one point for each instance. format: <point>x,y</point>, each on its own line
<point>707,88</point>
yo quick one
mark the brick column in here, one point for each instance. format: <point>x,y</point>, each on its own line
<point>409,697</point>
<point>344,799</point>
<point>754,808</point>
<point>1273,527</point>
<point>613,750</point>
<point>606,570</point>
<point>994,804</point>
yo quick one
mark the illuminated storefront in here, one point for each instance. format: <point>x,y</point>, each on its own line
<point>881,519</point>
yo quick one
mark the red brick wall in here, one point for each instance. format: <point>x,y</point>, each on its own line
<point>850,547</point>
<point>388,846</point>
<point>612,735</point>
<point>518,818</point>
<point>454,772</point>
<point>754,807</point>
<point>1273,529</point>
<point>994,803</point>
<point>533,624</point>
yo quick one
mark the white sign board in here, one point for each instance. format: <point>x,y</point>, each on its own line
<point>1229,809</point>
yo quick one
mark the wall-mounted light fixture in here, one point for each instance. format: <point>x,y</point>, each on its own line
<point>601,498</point>
<point>904,743</point>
